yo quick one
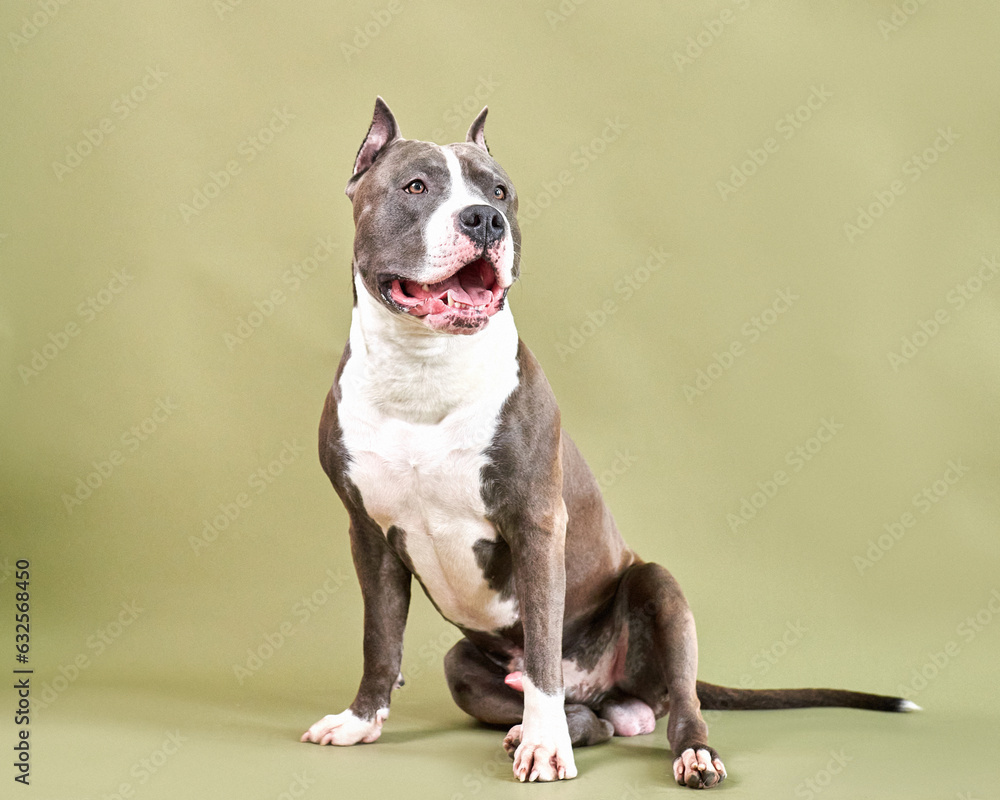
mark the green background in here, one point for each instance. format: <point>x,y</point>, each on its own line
<point>619,124</point>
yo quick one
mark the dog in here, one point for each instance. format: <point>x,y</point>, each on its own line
<point>442,437</point>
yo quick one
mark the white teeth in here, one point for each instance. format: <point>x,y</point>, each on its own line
<point>451,302</point>
<point>424,287</point>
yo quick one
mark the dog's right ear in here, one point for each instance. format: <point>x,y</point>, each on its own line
<point>381,132</point>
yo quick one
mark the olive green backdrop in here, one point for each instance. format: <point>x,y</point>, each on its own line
<point>760,269</point>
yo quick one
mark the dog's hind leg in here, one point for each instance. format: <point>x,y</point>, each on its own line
<point>477,686</point>
<point>661,669</point>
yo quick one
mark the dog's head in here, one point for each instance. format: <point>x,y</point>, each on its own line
<point>436,234</point>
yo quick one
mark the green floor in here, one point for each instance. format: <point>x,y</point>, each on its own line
<point>116,742</point>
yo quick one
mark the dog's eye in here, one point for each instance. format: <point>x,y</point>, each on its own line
<point>415,187</point>
<point>500,193</point>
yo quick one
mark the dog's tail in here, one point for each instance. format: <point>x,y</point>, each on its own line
<point>730,699</point>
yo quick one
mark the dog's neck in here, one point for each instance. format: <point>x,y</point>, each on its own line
<point>410,372</point>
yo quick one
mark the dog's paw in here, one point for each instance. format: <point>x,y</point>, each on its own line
<point>539,758</point>
<point>512,740</point>
<point>699,767</point>
<point>346,728</point>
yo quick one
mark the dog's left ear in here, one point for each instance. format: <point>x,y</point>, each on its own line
<point>476,134</point>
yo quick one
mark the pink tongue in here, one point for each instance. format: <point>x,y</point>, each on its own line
<point>468,286</point>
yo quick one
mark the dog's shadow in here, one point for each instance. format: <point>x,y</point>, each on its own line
<point>647,760</point>
<point>480,757</point>
<point>427,732</point>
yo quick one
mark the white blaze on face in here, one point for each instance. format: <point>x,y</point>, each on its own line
<point>448,250</point>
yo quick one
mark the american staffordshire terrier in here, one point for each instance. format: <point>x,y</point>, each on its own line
<point>442,437</point>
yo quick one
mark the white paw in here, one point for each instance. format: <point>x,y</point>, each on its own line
<point>699,769</point>
<point>346,728</point>
<point>540,758</point>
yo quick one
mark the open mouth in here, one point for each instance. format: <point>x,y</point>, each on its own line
<point>462,302</point>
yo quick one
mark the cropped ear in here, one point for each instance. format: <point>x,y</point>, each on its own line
<point>381,132</point>
<point>476,134</point>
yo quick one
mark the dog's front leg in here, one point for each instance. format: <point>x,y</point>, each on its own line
<point>385,590</point>
<point>537,549</point>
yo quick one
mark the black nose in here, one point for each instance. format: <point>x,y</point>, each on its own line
<point>483,224</point>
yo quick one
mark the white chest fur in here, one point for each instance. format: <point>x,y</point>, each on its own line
<point>417,411</point>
